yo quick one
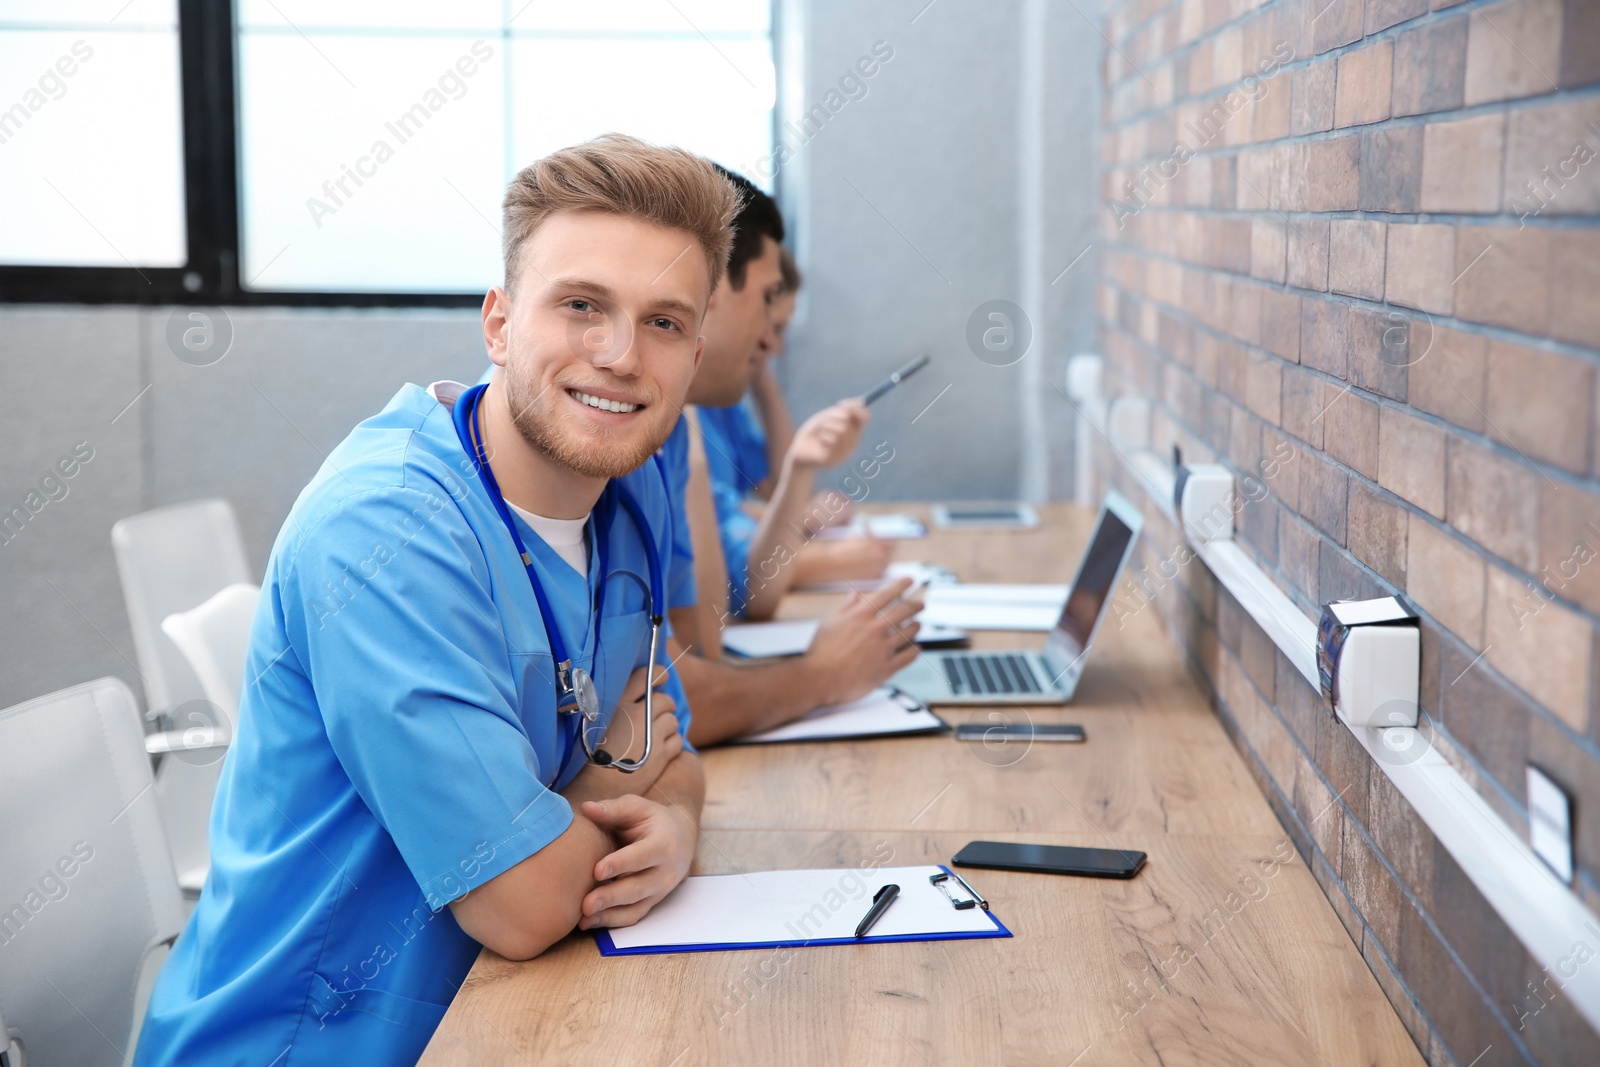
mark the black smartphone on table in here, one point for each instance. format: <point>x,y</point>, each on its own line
<point>1051,859</point>
<point>1018,731</point>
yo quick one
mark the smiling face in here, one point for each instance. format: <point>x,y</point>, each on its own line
<point>599,344</point>
<point>737,321</point>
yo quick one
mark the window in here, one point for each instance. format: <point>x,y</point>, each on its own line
<point>333,151</point>
<point>375,143</point>
<point>91,134</point>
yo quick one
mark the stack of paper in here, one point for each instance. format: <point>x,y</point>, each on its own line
<point>912,569</point>
<point>994,607</point>
<point>889,527</point>
<point>885,712</point>
<point>764,909</point>
<point>790,637</point>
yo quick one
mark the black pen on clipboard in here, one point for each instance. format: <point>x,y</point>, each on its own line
<point>880,904</point>
<point>895,379</point>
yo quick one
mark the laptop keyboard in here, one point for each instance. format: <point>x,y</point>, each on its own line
<point>989,674</point>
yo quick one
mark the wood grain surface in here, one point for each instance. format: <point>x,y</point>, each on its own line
<point>1223,950</point>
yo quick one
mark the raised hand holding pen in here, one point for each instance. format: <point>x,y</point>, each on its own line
<point>827,438</point>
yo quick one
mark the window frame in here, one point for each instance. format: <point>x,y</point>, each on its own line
<point>208,88</point>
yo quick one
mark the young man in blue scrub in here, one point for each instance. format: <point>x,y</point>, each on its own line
<point>753,436</point>
<point>857,647</point>
<point>465,581</point>
<point>764,557</point>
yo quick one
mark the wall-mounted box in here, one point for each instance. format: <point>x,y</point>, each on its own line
<point>1369,655</point>
<point>1203,495</point>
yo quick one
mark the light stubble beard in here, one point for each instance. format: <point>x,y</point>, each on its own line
<point>602,453</point>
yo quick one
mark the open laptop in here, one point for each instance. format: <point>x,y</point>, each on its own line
<point>1020,676</point>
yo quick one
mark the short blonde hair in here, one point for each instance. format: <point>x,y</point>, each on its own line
<point>621,175</point>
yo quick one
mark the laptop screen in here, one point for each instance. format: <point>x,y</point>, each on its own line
<point>1092,589</point>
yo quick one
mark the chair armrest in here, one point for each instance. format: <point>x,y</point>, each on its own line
<point>196,738</point>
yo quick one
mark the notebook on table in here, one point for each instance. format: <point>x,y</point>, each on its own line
<point>769,909</point>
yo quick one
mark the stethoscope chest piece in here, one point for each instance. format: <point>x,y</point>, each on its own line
<point>578,692</point>
<point>580,697</point>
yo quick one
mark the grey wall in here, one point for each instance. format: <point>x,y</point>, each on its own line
<point>252,427</point>
<point>907,212</point>
<point>907,204</point>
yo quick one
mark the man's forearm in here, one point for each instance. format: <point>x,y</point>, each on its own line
<point>681,787</point>
<point>730,701</point>
<point>813,564</point>
<point>536,903</point>
<point>776,542</point>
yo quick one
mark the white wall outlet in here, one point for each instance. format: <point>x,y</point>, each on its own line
<point>1550,822</point>
<point>1128,423</point>
<point>1083,377</point>
<point>1205,502</point>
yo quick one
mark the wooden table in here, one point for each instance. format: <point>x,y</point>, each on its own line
<point>1223,950</point>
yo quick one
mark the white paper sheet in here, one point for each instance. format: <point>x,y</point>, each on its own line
<point>881,711</point>
<point>790,637</point>
<point>994,607</point>
<point>762,907</point>
<point>985,593</point>
<point>889,527</point>
<point>913,569</point>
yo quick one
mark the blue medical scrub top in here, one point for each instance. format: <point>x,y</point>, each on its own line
<point>731,476</point>
<point>740,458</point>
<point>397,746</point>
<point>681,591</point>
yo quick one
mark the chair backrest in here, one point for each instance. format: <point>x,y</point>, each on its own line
<point>171,559</point>
<point>214,638</point>
<point>10,1055</point>
<point>86,882</point>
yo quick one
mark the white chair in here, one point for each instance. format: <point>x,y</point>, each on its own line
<point>170,560</point>
<point>10,1051</point>
<point>215,639</point>
<point>84,871</point>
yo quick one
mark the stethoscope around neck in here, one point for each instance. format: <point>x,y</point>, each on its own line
<point>576,693</point>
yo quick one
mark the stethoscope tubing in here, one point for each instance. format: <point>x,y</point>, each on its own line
<point>464,417</point>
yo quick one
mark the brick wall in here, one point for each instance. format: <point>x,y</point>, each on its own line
<point>1350,248</point>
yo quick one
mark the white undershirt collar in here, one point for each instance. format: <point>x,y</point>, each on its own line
<point>565,536</point>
